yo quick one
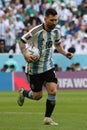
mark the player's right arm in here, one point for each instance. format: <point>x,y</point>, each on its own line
<point>28,58</point>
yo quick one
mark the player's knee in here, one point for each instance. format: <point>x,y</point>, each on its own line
<point>53,92</point>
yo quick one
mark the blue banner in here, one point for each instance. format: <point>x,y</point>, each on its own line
<point>6,81</point>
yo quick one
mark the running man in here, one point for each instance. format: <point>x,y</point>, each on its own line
<point>41,72</point>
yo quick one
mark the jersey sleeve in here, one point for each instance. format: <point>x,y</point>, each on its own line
<point>26,37</point>
<point>31,35</point>
<point>57,37</point>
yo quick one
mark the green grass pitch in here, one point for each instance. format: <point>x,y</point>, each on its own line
<point>70,112</point>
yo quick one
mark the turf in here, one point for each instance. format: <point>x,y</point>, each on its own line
<point>70,112</point>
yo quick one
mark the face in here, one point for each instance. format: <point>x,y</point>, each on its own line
<point>50,22</point>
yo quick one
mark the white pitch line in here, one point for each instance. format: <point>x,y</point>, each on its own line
<point>20,113</point>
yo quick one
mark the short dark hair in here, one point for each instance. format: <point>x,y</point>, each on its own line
<point>51,11</point>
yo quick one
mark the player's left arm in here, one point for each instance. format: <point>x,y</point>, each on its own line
<point>62,51</point>
<point>59,47</point>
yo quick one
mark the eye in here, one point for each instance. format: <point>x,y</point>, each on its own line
<point>53,20</point>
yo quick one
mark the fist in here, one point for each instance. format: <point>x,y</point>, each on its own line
<point>69,55</point>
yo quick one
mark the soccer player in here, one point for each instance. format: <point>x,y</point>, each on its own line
<point>41,72</point>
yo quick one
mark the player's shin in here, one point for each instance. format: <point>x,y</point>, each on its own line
<point>50,104</point>
<point>27,94</point>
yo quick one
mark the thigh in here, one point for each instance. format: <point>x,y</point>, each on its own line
<point>36,82</point>
<point>50,76</point>
<point>51,82</point>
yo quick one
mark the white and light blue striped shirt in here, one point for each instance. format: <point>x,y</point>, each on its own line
<point>43,40</point>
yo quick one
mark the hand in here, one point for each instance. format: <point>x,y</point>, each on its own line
<point>69,55</point>
<point>29,58</point>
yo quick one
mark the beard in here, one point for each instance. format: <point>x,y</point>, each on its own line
<point>50,27</point>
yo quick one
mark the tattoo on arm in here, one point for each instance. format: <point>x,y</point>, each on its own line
<point>22,50</point>
<point>22,47</point>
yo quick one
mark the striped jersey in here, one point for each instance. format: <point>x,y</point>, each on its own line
<point>43,40</point>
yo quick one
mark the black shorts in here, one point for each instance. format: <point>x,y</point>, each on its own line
<point>39,80</point>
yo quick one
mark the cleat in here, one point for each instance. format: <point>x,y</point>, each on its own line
<point>49,121</point>
<point>21,97</point>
